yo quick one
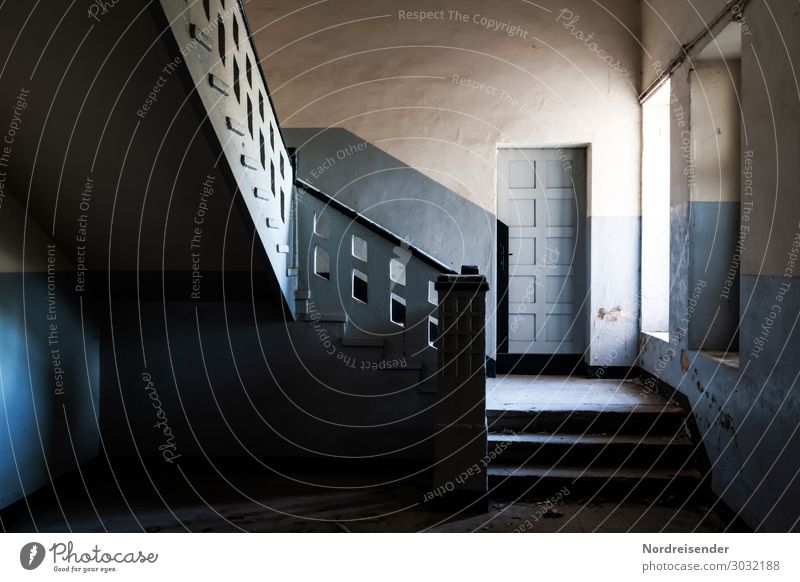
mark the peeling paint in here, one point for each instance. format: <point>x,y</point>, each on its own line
<point>684,361</point>
<point>612,314</point>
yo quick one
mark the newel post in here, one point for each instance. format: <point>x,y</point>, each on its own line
<point>461,434</point>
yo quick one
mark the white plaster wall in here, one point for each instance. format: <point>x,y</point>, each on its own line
<point>715,128</point>
<point>669,24</point>
<point>442,93</point>
<point>771,111</point>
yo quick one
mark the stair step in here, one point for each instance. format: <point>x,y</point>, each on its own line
<point>606,481</point>
<point>592,450</point>
<point>652,420</point>
<point>408,364</point>
<point>389,364</point>
<point>327,317</point>
<point>363,342</point>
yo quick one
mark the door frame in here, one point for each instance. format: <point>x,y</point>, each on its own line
<point>544,363</point>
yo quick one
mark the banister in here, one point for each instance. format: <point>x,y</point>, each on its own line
<point>260,70</point>
<point>373,226</point>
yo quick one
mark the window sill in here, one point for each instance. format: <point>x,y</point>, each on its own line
<point>662,335</point>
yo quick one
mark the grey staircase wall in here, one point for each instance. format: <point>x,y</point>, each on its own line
<point>381,285</point>
<point>399,198</point>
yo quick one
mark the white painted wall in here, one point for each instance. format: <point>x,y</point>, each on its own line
<point>440,94</point>
<point>667,25</point>
<point>715,128</point>
<point>771,110</point>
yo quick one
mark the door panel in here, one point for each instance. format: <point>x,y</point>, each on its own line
<point>541,257</point>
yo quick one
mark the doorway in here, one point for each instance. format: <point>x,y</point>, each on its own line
<point>541,260</point>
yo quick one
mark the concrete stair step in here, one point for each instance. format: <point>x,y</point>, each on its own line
<point>363,342</point>
<point>592,450</point>
<point>648,419</point>
<point>323,317</point>
<point>608,481</point>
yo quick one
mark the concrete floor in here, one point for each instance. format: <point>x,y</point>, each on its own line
<point>295,498</point>
<point>568,393</point>
<point>198,499</point>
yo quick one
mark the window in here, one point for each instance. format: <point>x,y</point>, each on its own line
<point>360,286</point>
<point>248,70</point>
<point>655,210</point>
<point>433,295</point>
<point>322,227</point>
<point>715,205</point>
<point>207,9</point>
<point>250,121</point>
<point>221,38</point>
<point>359,248</point>
<point>397,271</point>
<point>261,105</point>
<point>262,150</point>
<point>397,310</point>
<point>236,90</point>
<point>322,263</point>
<point>236,32</point>
<point>433,331</point>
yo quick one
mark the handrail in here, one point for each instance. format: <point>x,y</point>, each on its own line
<point>353,214</point>
<point>373,226</point>
<point>249,34</point>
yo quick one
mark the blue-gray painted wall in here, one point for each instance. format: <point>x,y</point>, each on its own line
<point>714,263</point>
<point>49,363</point>
<point>747,417</point>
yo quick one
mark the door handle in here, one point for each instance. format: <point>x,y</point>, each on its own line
<point>503,254</point>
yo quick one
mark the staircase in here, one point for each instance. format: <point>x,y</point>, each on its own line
<point>606,450</point>
<point>358,306</point>
<point>362,312</point>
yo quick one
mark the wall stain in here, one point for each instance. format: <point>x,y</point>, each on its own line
<point>612,314</point>
<point>725,422</point>
<point>684,361</point>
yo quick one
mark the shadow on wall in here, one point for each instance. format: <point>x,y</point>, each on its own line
<point>49,361</point>
<point>400,198</point>
<point>395,195</point>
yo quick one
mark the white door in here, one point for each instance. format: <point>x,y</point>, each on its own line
<point>541,197</point>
